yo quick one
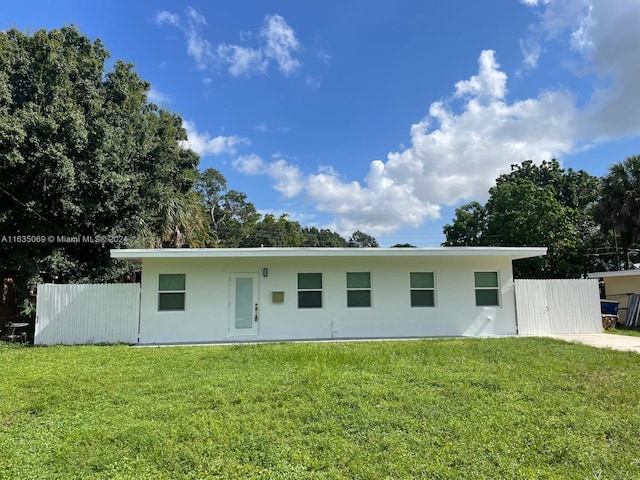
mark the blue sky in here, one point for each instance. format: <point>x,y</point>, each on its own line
<point>376,115</point>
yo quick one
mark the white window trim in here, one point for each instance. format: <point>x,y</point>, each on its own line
<point>434,289</point>
<point>497,288</point>
<point>184,292</point>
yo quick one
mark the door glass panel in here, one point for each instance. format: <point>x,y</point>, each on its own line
<point>244,303</point>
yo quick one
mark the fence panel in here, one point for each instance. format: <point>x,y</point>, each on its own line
<point>82,313</point>
<point>546,307</point>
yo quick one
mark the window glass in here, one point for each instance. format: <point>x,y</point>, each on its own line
<point>309,299</point>
<point>423,298</point>
<point>310,290</point>
<point>171,291</point>
<point>310,281</point>
<point>487,289</point>
<point>358,289</point>
<point>358,298</point>
<point>486,279</point>
<point>422,280</point>
<point>358,280</point>
<point>171,301</point>
<point>171,281</point>
<point>422,285</point>
<point>487,298</point>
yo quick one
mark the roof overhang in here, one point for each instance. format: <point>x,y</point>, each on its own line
<point>619,273</point>
<point>513,253</point>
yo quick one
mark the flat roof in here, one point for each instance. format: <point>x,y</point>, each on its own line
<point>617,273</point>
<point>512,252</point>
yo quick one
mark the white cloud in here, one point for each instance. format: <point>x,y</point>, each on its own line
<point>166,18</point>
<point>157,97</point>
<point>261,127</point>
<point>277,44</point>
<point>289,180</point>
<point>204,144</point>
<point>531,50</point>
<point>324,56</point>
<point>314,83</point>
<point>470,137</point>
<point>242,61</point>
<point>280,43</point>
<point>195,16</point>
<point>250,165</point>
<point>605,36</point>
<point>455,154</point>
<point>490,82</point>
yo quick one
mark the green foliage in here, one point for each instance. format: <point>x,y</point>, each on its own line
<point>313,237</point>
<point>270,232</point>
<point>469,227</point>
<point>362,240</point>
<point>619,206</point>
<point>458,408</point>
<point>534,206</point>
<point>83,154</point>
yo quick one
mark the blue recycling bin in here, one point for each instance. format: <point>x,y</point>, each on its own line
<point>609,307</point>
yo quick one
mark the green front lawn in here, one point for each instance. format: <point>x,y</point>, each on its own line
<point>463,408</point>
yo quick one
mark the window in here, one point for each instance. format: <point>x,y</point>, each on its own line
<point>171,291</point>
<point>423,289</point>
<point>309,290</point>
<point>358,289</point>
<point>487,289</point>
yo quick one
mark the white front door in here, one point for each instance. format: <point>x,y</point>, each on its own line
<point>244,316</point>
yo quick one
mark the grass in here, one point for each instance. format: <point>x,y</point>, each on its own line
<point>461,408</point>
<point>622,330</point>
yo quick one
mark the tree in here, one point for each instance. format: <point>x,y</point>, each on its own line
<point>522,214</point>
<point>313,237</point>
<point>235,219</point>
<point>619,206</point>
<point>403,245</point>
<point>360,239</point>
<point>273,233</point>
<point>84,155</point>
<point>469,227</point>
<point>533,206</point>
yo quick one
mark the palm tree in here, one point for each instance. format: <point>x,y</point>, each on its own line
<point>180,220</point>
<point>619,206</point>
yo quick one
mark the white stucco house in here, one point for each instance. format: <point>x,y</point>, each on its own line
<point>218,295</point>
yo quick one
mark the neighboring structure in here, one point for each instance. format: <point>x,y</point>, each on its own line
<point>619,286</point>
<point>212,295</point>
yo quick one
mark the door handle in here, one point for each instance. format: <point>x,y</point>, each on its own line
<point>255,318</point>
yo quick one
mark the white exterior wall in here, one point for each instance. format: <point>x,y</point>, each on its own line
<point>206,315</point>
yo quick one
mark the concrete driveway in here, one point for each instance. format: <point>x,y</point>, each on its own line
<point>605,340</point>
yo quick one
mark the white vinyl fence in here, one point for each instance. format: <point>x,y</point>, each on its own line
<point>546,307</point>
<point>82,313</point>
